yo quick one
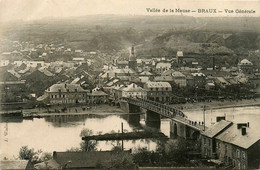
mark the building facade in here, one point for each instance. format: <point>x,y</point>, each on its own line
<point>63,93</point>
<point>158,91</point>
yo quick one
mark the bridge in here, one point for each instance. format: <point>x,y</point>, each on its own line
<point>180,124</point>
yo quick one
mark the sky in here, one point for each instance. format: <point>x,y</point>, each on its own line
<point>36,9</point>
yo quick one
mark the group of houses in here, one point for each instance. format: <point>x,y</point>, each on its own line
<point>236,145</point>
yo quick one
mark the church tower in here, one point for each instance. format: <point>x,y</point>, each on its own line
<point>132,64</point>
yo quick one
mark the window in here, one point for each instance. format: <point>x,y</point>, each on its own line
<point>243,155</point>
<point>209,142</point>
<point>238,153</point>
<point>204,139</point>
<point>52,96</point>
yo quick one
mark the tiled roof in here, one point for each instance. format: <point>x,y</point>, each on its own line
<point>63,87</point>
<point>98,93</point>
<point>157,84</point>
<point>45,71</point>
<point>245,62</point>
<point>146,73</point>
<point>14,73</point>
<point>213,130</point>
<point>160,65</point>
<point>14,164</point>
<point>234,136</point>
<point>133,88</point>
<point>84,159</point>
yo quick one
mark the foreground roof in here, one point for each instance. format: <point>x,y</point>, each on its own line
<point>234,136</point>
<point>212,131</point>
<point>83,159</point>
<point>14,164</point>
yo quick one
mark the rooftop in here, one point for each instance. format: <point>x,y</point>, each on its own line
<point>63,87</point>
<point>215,129</point>
<point>157,84</point>
<point>84,159</point>
<point>133,87</point>
<point>234,136</point>
<point>14,164</point>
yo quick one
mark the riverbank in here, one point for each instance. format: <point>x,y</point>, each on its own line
<point>218,104</point>
<point>102,109</point>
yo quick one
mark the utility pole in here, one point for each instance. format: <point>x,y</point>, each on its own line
<point>204,109</point>
<point>122,128</point>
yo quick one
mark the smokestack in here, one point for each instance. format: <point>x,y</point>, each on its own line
<point>243,131</point>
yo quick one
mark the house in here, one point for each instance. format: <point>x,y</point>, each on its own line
<point>246,66</point>
<point>89,160</point>
<point>208,141</point>
<point>238,146</point>
<point>97,97</point>
<point>133,91</point>
<point>4,63</point>
<point>15,164</point>
<point>199,79</point>
<point>179,55</point>
<point>119,73</point>
<point>161,67</point>
<point>179,79</point>
<point>209,86</point>
<point>221,82</point>
<point>65,94</point>
<point>158,91</point>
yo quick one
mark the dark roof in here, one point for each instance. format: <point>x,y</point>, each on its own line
<point>63,87</point>
<point>14,164</point>
<point>215,129</point>
<point>234,136</point>
<point>83,159</point>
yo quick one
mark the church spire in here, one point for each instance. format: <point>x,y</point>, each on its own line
<point>132,55</point>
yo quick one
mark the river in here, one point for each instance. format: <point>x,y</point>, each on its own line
<point>59,133</point>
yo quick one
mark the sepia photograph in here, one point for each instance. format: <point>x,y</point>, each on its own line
<point>129,84</point>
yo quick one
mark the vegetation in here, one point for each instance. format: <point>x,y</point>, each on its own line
<point>26,153</point>
<point>172,153</point>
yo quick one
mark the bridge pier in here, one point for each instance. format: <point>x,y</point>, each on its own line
<point>182,130</point>
<point>152,119</point>
<point>133,118</point>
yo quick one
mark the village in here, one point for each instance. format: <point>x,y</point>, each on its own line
<point>33,77</point>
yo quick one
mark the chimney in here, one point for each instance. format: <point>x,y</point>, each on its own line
<point>240,125</point>
<point>243,131</point>
<point>54,155</point>
<point>219,118</point>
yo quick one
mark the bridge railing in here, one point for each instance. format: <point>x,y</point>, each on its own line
<point>164,110</point>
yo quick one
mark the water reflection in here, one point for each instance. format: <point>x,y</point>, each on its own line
<point>59,133</point>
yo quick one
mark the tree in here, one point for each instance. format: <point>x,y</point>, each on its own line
<point>87,145</point>
<point>26,153</point>
<point>35,156</point>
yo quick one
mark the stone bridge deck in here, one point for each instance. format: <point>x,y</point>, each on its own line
<point>166,111</point>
